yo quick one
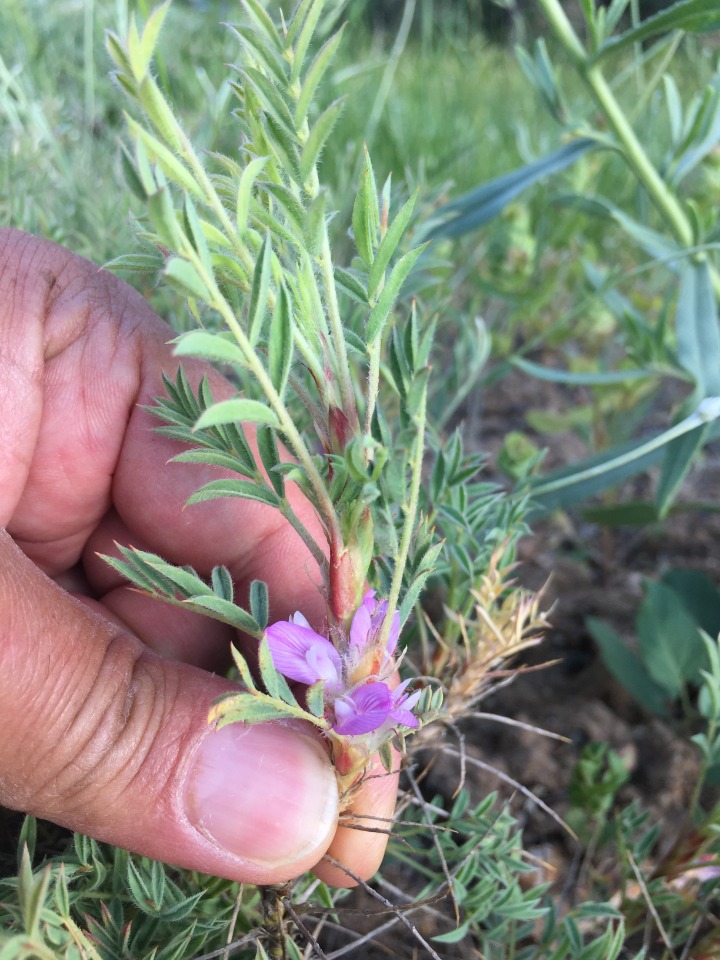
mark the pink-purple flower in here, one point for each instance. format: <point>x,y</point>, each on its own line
<point>354,704</point>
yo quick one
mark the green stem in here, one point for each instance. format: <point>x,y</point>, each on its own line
<point>660,194</point>
<point>410,511</point>
<point>662,197</point>
<point>709,410</point>
<point>342,364</point>
<point>373,383</point>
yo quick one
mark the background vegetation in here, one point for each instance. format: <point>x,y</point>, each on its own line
<point>573,283</point>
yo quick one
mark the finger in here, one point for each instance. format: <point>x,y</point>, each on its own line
<point>112,740</point>
<point>82,350</point>
<point>360,843</point>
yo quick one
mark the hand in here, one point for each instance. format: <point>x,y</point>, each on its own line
<point>104,693</point>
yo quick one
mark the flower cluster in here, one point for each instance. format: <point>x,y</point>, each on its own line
<point>357,698</point>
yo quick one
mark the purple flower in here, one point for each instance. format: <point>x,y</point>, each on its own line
<point>367,623</point>
<point>362,710</point>
<point>402,714</point>
<point>303,655</point>
<point>372,706</point>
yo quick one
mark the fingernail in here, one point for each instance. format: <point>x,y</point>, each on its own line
<point>266,793</point>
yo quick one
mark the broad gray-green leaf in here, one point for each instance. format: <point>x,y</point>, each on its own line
<point>698,329</point>
<point>696,16</point>
<point>586,379</point>
<point>670,641</point>
<point>236,410</point>
<point>627,668</point>
<point>478,206</point>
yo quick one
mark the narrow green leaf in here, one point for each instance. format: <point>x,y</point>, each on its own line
<point>117,51</point>
<point>259,291</point>
<point>131,175</point>
<point>139,890</point>
<point>366,216</point>
<point>160,113</point>
<point>350,284</point>
<point>280,345</point>
<point>272,100</point>
<point>248,708</point>
<point>196,234</point>
<point>259,15</point>
<point>174,169</point>
<point>221,347</point>
<point>381,310</point>
<point>237,409</point>
<point>584,379</point>
<point>275,683</point>
<point>218,489</point>
<point>317,138</point>
<point>182,274</point>
<point>214,458</point>
<point>315,700</point>
<point>266,55</point>
<point>148,263</point>
<point>226,612</point>
<point>222,583</point>
<point>148,40</point>
<point>314,223</point>
<point>164,218</point>
<point>243,669</point>
<point>260,602</point>
<point>245,188</point>
<point>389,245</point>
<point>314,75</point>
<point>270,456</point>
<point>304,37</point>
<point>283,145</point>
<point>187,581</point>
<point>696,16</point>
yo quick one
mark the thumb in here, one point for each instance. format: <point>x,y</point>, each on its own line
<point>100,735</point>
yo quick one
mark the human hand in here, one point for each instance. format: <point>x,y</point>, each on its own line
<point>104,693</point>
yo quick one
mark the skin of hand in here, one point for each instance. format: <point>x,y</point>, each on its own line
<point>104,693</point>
